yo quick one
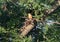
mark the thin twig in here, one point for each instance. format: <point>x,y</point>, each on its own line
<point>56,23</point>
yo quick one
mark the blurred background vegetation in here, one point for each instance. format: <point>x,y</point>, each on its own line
<point>11,13</point>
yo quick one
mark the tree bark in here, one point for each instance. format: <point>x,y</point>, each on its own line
<point>27,30</point>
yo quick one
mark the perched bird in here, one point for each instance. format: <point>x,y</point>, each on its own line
<point>29,16</point>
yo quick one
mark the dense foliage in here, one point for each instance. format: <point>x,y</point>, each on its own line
<point>11,13</point>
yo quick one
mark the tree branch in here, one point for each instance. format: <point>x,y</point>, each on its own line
<point>54,7</point>
<point>27,30</point>
<point>30,27</point>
